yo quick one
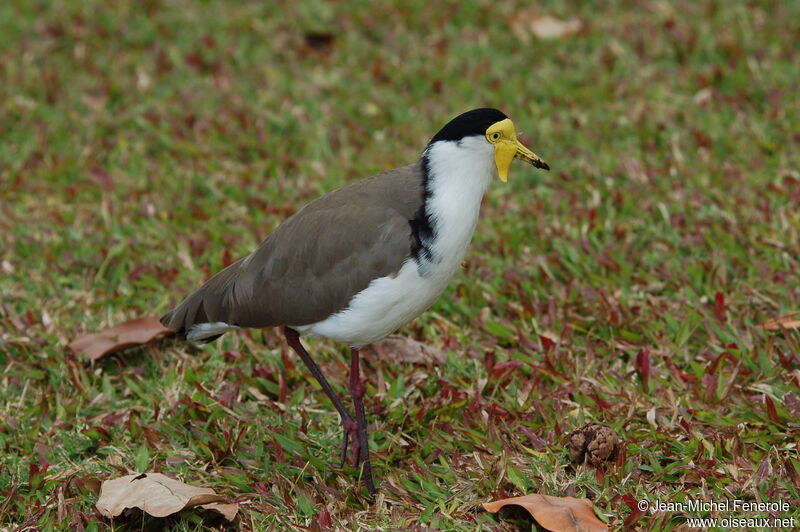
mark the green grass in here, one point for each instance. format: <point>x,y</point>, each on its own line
<point>143,144</point>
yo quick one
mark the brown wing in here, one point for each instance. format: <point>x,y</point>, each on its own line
<point>316,261</point>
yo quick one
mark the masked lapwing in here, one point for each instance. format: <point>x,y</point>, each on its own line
<point>361,261</point>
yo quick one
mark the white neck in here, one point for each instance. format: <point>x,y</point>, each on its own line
<point>458,175</point>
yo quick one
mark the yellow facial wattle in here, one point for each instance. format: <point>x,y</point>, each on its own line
<point>506,146</point>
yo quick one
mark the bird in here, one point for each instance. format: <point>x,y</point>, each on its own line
<point>359,262</point>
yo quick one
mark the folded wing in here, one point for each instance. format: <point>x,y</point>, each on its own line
<point>312,264</point>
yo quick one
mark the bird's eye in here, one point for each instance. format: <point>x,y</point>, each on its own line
<point>495,136</point>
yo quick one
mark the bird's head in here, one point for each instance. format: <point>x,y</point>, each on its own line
<point>496,129</point>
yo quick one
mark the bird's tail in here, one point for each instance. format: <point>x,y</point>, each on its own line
<point>203,316</point>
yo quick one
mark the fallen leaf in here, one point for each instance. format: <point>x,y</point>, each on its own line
<point>90,484</point>
<point>228,510</point>
<point>789,321</point>
<point>559,514</point>
<point>159,496</point>
<point>127,334</point>
<point>402,349</point>
<point>528,22</point>
<point>553,28</point>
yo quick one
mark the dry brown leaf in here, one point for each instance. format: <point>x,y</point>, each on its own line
<point>91,484</point>
<point>553,28</point>
<point>158,495</point>
<point>789,321</point>
<point>559,514</point>
<point>402,349</point>
<point>130,333</point>
<point>528,22</point>
<point>228,510</point>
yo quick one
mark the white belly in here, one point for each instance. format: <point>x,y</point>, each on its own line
<point>386,304</point>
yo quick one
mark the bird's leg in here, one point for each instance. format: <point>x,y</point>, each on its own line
<point>357,390</point>
<point>348,423</point>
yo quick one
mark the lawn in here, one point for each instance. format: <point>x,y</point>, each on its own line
<point>145,144</point>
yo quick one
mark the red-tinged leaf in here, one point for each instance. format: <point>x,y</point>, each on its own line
<point>715,364</point>
<point>772,412</point>
<point>763,473</point>
<point>167,275</point>
<point>786,322</point>
<point>636,509</point>
<point>136,273</point>
<point>261,371</point>
<point>704,472</point>
<point>547,342</point>
<point>503,367</point>
<point>538,443</point>
<point>792,402</point>
<point>702,140</point>
<point>685,377</point>
<point>36,475</point>
<point>280,454</point>
<point>131,333</point>
<point>499,411</point>
<point>232,356</point>
<point>116,418</point>
<point>324,520</point>
<point>548,368</point>
<point>288,364</point>
<point>643,367</point>
<point>719,306</point>
<point>102,178</point>
<point>29,319</point>
<point>523,340</point>
<point>604,405</point>
<point>227,260</point>
<point>788,362</point>
<point>710,381</point>
<point>209,42</point>
<point>564,514</point>
<point>489,361</point>
<point>97,433</point>
<point>42,451</point>
<point>791,471</point>
<point>283,388</point>
<point>524,300</point>
<point>475,405</point>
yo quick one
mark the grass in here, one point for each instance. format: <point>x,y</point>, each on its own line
<point>146,144</point>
